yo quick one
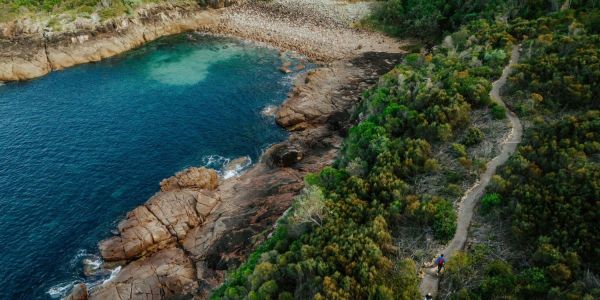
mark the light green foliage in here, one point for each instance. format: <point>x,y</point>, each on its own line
<point>309,207</point>
<point>459,150</point>
<point>490,201</point>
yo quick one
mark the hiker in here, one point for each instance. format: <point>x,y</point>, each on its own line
<point>428,296</point>
<point>440,262</point>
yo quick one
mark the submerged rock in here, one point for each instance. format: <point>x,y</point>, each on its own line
<point>191,178</point>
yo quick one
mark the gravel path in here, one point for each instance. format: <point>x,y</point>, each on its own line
<point>429,283</point>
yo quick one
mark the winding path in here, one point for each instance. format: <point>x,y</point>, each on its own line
<point>429,283</point>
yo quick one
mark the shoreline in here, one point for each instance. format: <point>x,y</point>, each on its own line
<point>185,237</point>
<point>30,51</point>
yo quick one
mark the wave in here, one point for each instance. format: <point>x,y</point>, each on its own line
<point>269,111</point>
<point>93,271</point>
<point>113,274</point>
<point>61,289</point>
<point>215,161</point>
<point>236,167</point>
<point>227,167</point>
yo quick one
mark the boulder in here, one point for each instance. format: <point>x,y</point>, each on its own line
<point>139,232</point>
<point>283,155</point>
<point>191,178</point>
<point>164,219</point>
<point>79,292</point>
<point>177,210</point>
<point>166,274</point>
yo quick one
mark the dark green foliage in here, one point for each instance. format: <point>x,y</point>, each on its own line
<point>550,188</point>
<point>428,19</point>
<point>498,112</point>
<point>499,280</point>
<point>473,137</point>
<point>553,184</point>
<point>442,218</point>
<point>561,69</point>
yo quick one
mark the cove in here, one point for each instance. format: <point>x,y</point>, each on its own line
<point>81,147</point>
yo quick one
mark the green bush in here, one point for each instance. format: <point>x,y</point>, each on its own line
<point>459,150</point>
<point>473,137</point>
<point>490,201</point>
<point>498,112</point>
<point>499,280</point>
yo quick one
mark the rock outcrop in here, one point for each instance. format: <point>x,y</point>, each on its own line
<point>190,231</point>
<point>191,178</point>
<point>167,274</point>
<point>78,292</point>
<point>164,219</point>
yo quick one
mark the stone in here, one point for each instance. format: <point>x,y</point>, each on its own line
<point>176,210</point>
<point>78,292</point>
<point>139,232</point>
<point>191,178</point>
<point>166,218</point>
<point>166,274</point>
<point>283,155</point>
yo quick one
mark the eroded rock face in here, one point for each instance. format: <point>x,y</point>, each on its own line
<point>310,104</point>
<point>164,219</point>
<point>139,233</point>
<point>166,274</point>
<point>191,178</point>
<point>283,155</point>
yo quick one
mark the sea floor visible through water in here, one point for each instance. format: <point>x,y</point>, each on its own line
<point>81,147</point>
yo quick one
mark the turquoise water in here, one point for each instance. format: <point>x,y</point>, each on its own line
<point>81,147</point>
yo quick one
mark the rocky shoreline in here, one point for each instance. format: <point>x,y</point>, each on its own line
<point>184,238</point>
<point>29,49</point>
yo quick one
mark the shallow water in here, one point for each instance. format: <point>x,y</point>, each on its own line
<point>81,147</point>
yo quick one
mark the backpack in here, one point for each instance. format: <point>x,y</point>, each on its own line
<point>441,261</point>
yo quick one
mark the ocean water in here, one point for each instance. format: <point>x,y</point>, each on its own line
<point>81,147</point>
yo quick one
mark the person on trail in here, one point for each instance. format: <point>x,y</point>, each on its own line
<point>428,296</point>
<point>440,262</point>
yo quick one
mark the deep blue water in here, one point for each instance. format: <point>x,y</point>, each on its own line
<point>81,147</point>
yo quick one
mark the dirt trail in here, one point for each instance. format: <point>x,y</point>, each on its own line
<point>429,283</point>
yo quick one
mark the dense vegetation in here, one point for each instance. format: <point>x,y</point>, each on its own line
<point>336,243</point>
<point>548,191</point>
<point>344,250</point>
<point>431,18</point>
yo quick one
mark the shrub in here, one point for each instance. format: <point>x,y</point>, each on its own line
<point>459,150</point>
<point>498,112</point>
<point>473,137</point>
<point>490,201</point>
